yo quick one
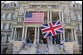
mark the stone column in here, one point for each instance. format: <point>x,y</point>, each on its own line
<point>72,36</point>
<point>23,33</point>
<point>35,35</point>
<point>48,15</point>
<point>62,17</point>
<point>75,36</point>
<point>59,16</point>
<point>12,33</point>
<point>38,34</point>
<point>61,37</point>
<point>48,42</point>
<point>64,35</point>
<point>15,33</point>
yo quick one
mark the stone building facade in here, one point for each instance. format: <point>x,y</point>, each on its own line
<point>13,27</point>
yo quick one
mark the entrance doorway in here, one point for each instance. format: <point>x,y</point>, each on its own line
<point>31,33</point>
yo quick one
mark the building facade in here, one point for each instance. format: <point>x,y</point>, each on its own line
<point>13,27</point>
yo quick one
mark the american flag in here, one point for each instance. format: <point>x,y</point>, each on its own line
<point>51,29</point>
<point>34,17</point>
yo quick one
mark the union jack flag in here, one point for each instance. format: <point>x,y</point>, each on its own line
<point>51,29</point>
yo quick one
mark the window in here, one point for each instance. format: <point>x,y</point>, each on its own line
<point>9,16</point>
<point>76,17</point>
<point>48,6</point>
<point>44,6</point>
<point>3,38</point>
<point>5,26</point>
<point>79,40</point>
<point>12,15</point>
<point>8,38</point>
<point>78,28</point>
<point>33,6</point>
<point>6,5</point>
<point>10,26</point>
<point>6,15</point>
<point>3,16</point>
<point>20,20</point>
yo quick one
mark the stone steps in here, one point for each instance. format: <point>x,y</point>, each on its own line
<point>30,50</point>
<point>42,48</point>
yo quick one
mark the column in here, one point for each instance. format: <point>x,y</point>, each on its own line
<point>48,15</point>
<point>59,16</point>
<point>72,36</point>
<point>48,42</point>
<point>38,34</point>
<point>25,33</point>
<point>35,35</point>
<point>75,36</point>
<point>61,36</point>
<point>62,17</point>
<point>64,35</point>
<point>12,33</point>
<point>15,33</point>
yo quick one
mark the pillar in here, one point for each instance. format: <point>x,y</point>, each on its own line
<point>75,36</point>
<point>59,16</point>
<point>64,35</point>
<point>48,15</point>
<point>61,36</point>
<point>72,36</point>
<point>35,35</point>
<point>38,34</point>
<point>15,33</point>
<point>48,42</point>
<point>23,33</point>
<point>62,17</point>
